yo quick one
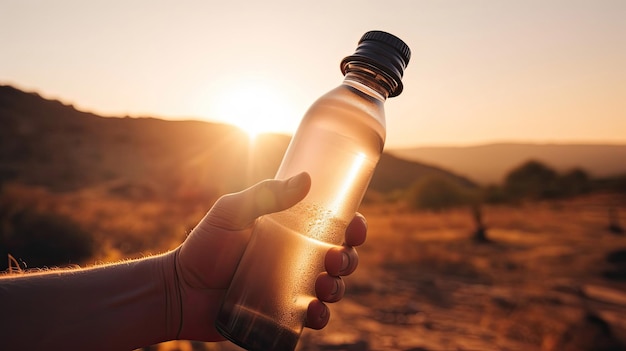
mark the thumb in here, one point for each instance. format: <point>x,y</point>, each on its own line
<point>239,210</point>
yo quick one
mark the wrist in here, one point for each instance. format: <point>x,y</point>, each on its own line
<point>171,293</point>
<point>192,309</point>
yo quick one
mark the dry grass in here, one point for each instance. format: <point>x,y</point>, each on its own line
<point>422,283</point>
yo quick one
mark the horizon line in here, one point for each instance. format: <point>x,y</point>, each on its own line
<point>388,147</point>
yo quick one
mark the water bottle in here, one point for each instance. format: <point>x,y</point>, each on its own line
<point>339,142</point>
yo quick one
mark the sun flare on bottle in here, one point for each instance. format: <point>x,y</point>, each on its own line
<point>355,168</point>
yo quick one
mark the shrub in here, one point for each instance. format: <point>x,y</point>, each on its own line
<point>531,180</point>
<point>493,194</point>
<point>439,193</point>
<point>574,182</point>
<point>615,184</point>
<point>41,239</point>
<point>536,181</point>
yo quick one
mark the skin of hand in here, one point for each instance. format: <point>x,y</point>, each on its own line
<point>206,261</point>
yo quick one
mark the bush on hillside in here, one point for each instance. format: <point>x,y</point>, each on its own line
<point>536,181</point>
<point>615,184</point>
<point>574,182</point>
<point>532,180</point>
<point>493,194</point>
<point>439,193</point>
<point>41,239</point>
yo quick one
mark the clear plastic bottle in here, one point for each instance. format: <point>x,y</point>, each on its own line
<point>339,143</point>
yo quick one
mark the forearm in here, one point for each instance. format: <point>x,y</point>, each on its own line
<point>114,307</point>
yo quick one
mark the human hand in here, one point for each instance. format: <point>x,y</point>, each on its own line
<point>206,261</point>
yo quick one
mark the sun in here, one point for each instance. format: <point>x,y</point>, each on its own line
<point>255,106</point>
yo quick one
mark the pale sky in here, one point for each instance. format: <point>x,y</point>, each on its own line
<point>481,71</point>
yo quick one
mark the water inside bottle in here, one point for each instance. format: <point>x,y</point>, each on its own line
<point>276,289</point>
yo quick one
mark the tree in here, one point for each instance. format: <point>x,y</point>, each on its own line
<point>574,182</point>
<point>531,180</point>
<point>438,192</point>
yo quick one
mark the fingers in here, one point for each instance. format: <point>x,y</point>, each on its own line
<point>317,315</point>
<point>356,231</point>
<point>239,210</point>
<point>341,261</point>
<point>329,288</point>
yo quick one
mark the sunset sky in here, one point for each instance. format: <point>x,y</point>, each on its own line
<point>481,71</point>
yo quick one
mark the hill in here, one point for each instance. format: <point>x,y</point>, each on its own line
<point>490,163</point>
<point>53,145</point>
<point>50,144</point>
<point>393,174</point>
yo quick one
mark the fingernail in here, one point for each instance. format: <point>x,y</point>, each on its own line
<point>324,313</point>
<point>345,261</point>
<point>336,289</point>
<point>295,182</point>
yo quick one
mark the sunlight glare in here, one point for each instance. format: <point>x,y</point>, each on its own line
<point>352,174</point>
<point>256,107</point>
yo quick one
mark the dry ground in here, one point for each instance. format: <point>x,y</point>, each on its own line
<point>553,277</point>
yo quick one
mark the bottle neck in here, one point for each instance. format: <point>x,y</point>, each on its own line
<point>376,83</point>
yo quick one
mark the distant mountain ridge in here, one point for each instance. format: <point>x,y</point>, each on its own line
<point>50,144</point>
<point>47,143</point>
<point>490,163</point>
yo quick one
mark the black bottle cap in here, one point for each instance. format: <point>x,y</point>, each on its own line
<point>384,51</point>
